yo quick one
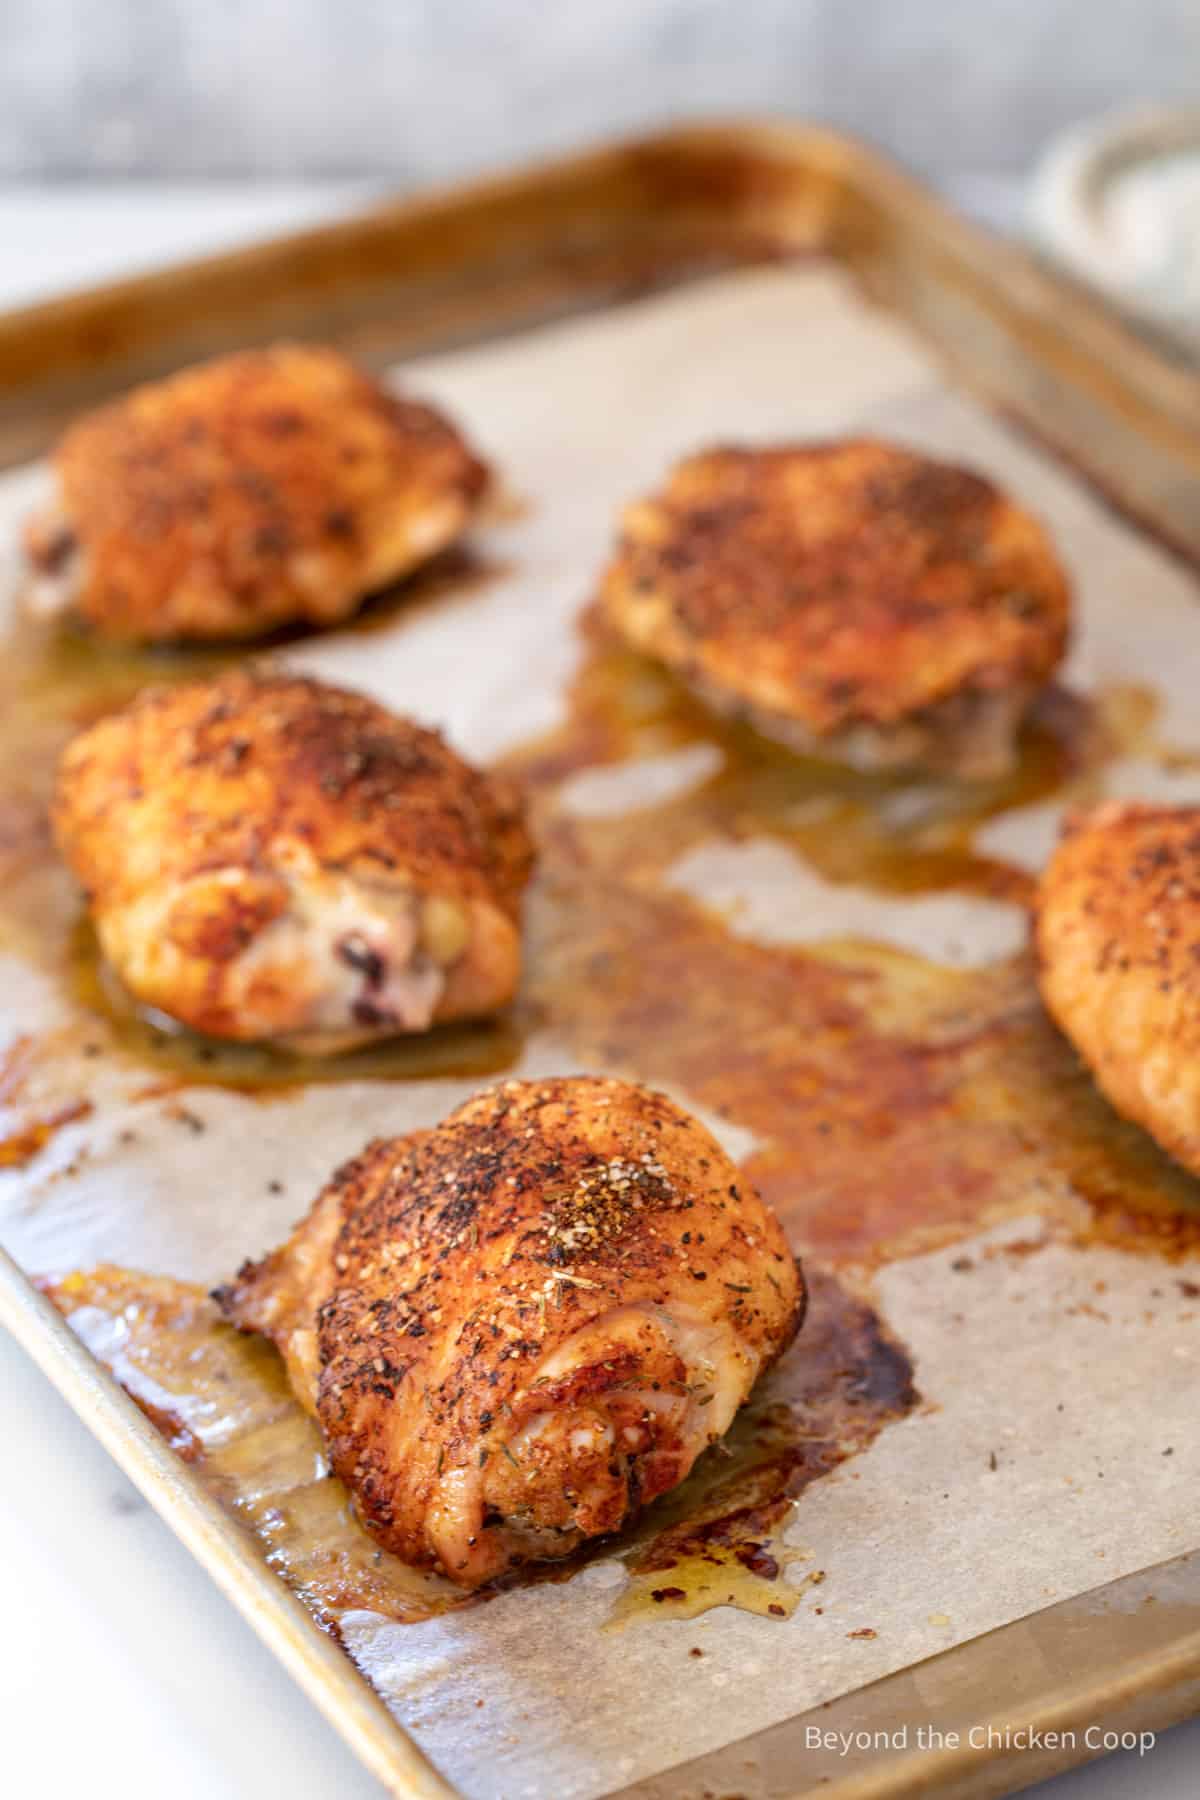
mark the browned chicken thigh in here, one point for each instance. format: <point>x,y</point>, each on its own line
<point>520,1327</point>
<point>270,858</point>
<point>1118,942</point>
<point>855,600</point>
<point>269,487</point>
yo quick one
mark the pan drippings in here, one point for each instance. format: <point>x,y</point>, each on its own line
<point>222,1400</point>
<point>896,1103</point>
<point>893,1102</point>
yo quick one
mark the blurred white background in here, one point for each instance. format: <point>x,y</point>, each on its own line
<point>421,89</point>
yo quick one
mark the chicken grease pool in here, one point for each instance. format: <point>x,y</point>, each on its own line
<point>894,1103</point>
<point>222,1400</point>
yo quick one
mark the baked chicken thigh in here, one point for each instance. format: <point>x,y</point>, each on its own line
<point>266,488</point>
<point>270,858</point>
<point>854,600</point>
<point>1118,943</point>
<point>518,1328</point>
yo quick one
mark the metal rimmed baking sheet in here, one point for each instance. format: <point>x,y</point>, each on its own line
<point>581,412</point>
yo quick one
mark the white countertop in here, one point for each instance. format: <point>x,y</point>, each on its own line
<point>123,1671</point>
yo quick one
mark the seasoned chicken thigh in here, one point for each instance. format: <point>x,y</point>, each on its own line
<point>517,1329</point>
<point>1118,942</point>
<point>270,858</point>
<point>854,600</point>
<point>266,488</point>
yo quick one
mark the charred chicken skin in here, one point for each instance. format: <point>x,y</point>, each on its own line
<point>270,858</point>
<point>517,1329</point>
<point>1118,943</point>
<point>854,600</point>
<point>266,488</point>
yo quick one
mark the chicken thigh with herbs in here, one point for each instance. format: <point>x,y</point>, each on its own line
<point>266,488</point>
<point>854,600</point>
<point>1118,944</point>
<point>518,1328</point>
<point>270,858</point>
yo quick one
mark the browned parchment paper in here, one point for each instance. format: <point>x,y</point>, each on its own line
<point>1072,1372</point>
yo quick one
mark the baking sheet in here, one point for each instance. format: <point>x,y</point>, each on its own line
<point>1071,1372</point>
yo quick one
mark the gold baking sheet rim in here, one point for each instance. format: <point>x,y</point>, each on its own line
<point>1124,1657</point>
<point>497,257</point>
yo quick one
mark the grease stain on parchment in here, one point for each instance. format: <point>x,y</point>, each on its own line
<point>222,1400</point>
<point>896,1102</point>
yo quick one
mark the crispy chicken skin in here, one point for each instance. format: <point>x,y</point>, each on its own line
<point>269,487</point>
<point>1118,945</point>
<point>518,1328</point>
<point>270,858</point>
<point>854,600</point>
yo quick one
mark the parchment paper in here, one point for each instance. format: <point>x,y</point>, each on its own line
<point>1073,1373</point>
